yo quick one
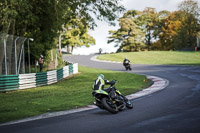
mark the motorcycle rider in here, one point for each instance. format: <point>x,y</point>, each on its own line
<point>100,82</point>
<point>126,62</point>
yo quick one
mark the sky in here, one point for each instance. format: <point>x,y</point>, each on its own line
<point>100,33</point>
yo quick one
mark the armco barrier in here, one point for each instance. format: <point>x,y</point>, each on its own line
<point>30,80</point>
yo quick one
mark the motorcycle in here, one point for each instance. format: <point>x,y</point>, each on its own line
<point>127,65</point>
<point>105,101</point>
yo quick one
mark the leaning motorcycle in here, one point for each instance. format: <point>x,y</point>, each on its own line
<point>105,101</point>
<point>127,65</point>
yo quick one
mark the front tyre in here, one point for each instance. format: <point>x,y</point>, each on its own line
<point>128,103</point>
<point>108,105</point>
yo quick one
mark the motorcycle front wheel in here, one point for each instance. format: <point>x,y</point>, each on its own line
<point>108,105</point>
<point>128,104</point>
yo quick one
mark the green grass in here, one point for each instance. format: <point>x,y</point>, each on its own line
<point>156,57</point>
<point>68,94</point>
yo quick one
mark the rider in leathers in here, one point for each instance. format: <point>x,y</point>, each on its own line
<point>100,82</point>
<point>126,61</point>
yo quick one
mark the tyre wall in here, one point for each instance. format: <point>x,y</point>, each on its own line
<point>31,80</point>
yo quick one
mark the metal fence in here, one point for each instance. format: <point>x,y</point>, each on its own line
<point>12,54</point>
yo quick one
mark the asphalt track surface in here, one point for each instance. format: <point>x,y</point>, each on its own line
<point>175,109</point>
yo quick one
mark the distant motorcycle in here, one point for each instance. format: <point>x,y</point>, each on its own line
<point>113,105</point>
<point>127,65</point>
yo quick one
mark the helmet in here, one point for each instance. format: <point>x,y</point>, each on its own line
<point>100,76</point>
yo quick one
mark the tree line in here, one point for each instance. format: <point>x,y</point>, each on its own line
<point>47,20</point>
<point>163,30</point>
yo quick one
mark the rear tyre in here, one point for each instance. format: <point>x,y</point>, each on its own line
<point>108,105</point>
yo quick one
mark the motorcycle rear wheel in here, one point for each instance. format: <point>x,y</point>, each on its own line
<point>112,108</point>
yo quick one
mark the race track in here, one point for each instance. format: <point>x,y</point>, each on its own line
<point>175,109</point>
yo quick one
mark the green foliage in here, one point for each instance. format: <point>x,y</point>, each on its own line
<point>150,17</point>
<point>51,56</point>
<point>129,37</point>
<point>190,24</point>
<point>76,35</point>
<point>43,20</point>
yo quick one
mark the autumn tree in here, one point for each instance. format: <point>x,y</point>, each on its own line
<point>179,29</point>
<point>158,29</point>
<point>169,31</point>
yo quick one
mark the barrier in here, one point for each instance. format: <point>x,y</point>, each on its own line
<point>31,80</point>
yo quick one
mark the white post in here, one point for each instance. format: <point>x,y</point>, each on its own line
<point>23,60</point>
<point>16,55</point>
<point>5,53</point>
<point>60,38</point>
<point>29,67</point>
<point>21,55</point>
<point>51,55</point>
<point>56,62</point>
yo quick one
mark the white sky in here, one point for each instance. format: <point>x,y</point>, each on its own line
<point>101,32</point>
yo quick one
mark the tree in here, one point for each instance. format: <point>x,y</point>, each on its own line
<point>150,18</point>
<point>128,37</point>
<point>42,20</point>
<point>169,30</point>
<point>76,35</point>
<point>160,21</point>
<point>191,23</point>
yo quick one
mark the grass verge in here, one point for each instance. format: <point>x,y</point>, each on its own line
<point>68,94</point>
<point>156,57</point>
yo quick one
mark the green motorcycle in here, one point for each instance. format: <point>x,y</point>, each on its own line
<point>105,100</point>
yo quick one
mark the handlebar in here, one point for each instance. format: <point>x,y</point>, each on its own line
<point>113,82</point>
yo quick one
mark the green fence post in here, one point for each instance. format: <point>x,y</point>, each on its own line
<point>9,82</point>
<point>59,74</point>
<point>70,69</point>
<point>41,78</point>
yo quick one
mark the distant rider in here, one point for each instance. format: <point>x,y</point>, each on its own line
<point>126,61</point>
<point>127,64</point>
